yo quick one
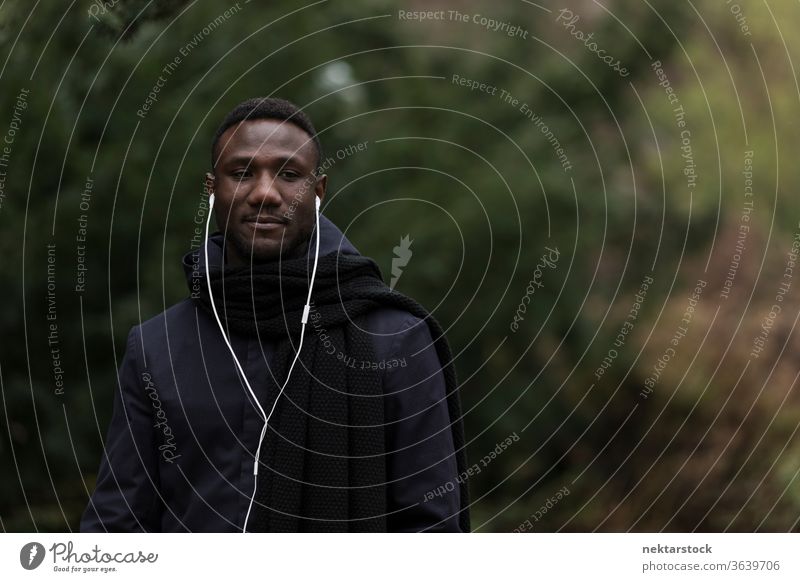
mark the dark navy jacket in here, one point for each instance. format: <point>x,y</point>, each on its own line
<point>180,447</point>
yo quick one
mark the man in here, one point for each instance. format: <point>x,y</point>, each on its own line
<point>366,434</point>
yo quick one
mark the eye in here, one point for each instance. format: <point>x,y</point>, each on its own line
<point>240,174</point>
<point>291,174</point>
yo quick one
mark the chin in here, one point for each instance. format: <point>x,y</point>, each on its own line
<point>264,253</point>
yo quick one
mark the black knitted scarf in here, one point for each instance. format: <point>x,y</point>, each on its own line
<point>323,461</point>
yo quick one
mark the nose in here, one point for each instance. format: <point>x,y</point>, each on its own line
<point>264,192</point>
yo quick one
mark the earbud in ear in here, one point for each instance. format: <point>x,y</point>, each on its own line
<point>211,201</point>
<point>317,202</point>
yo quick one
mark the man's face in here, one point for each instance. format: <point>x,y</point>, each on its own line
<point>264,187</point>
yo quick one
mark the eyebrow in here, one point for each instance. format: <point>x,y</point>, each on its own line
<point>247,160</point>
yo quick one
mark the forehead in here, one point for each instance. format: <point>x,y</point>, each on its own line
<point>266,137</point>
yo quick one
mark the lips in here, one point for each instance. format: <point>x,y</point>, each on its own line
<point>265,222</point>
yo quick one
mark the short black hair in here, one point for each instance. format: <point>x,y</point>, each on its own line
<point>267,108</point>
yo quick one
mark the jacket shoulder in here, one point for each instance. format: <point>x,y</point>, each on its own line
<point>388,320</point>
<point>172,319</point>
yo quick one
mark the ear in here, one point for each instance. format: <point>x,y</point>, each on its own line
<point>321,186</point>
<point>209,183</point>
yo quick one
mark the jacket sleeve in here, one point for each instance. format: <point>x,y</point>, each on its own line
<point>421,464</point>
<point>126,496</point>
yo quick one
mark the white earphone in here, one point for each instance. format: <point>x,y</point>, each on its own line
<point>303,321</point>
